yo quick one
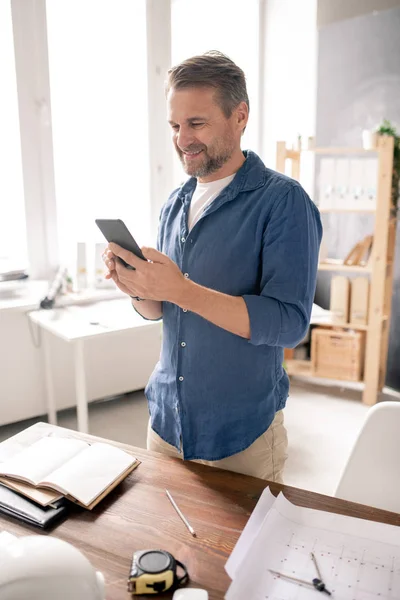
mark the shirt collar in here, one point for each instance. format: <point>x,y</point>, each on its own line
<point>251,175</point>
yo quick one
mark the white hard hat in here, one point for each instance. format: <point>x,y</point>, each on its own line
<point>46,568</point>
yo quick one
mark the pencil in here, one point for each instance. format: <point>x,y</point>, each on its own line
<point>182,516</point>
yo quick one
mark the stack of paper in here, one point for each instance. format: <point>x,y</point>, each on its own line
<point>358,559</point>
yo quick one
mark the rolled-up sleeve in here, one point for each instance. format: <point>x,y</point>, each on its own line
<point>280,314</point>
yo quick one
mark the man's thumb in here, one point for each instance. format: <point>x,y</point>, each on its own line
<point>153,255</point>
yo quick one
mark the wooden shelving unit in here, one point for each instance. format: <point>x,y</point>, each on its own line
<point>379,268</point>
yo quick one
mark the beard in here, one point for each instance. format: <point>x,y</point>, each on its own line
<point>210,159</point>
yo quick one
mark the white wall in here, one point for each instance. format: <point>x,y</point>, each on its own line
<point>290,59</point>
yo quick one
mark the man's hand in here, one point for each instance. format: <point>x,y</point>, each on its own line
<point>158,278</point>
<point>161,279</point>
<point>110,261</point>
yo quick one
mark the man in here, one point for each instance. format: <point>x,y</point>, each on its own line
<point>233,279</point>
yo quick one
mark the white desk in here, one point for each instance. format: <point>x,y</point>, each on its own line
<point>75,324</point>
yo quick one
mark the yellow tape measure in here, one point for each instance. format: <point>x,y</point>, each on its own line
<point>154,571</point>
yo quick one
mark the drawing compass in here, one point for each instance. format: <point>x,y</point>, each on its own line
<point>317,583</point>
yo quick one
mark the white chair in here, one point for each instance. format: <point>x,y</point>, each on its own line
<point>372,473</point>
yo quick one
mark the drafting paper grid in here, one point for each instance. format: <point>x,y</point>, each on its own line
<point>359,560</point>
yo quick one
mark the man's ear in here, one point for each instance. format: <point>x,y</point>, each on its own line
<point>242,115</point>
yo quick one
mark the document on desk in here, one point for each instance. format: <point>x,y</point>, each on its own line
<point>107,315</point>
<point>250,532</point>
<point>358,559</point>
<point>70,467</point>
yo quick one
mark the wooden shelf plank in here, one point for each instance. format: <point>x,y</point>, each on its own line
<point>339,266</point>
<point>344,326</point>
<point>292,154</point>
<point>302,368</point>
<point>298,367</point>
<point>367,211</point>
<point>340,150</point>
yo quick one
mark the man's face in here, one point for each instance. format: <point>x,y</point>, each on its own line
<point>203,136</point>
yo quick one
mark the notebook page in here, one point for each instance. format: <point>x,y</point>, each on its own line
<point>17,443</point>
<point>90,473</point>
<point>41,458</point>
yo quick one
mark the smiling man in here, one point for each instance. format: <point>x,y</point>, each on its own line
<point>233,279</point>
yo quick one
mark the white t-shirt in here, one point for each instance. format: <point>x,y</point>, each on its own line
<point>203,195</point>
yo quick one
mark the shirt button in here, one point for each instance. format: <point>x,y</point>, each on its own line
<point>184,309</point>
<point>183,344</point>
<point>181,378</point>
<point>187,275</point>
<point>183,239</point>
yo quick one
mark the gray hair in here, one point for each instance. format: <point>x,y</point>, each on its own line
<point>214,70</point>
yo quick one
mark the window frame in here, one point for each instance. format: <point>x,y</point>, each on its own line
<point>34,104</point>
<point>32,74</point>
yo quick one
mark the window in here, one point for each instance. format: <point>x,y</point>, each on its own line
<point>13,244</point>
<point>232,30</point>
<point>98,85</point>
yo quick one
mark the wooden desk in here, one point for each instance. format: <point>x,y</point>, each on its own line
<point>137,515</point>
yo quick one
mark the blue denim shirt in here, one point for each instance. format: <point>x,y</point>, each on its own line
<point>214,393</point>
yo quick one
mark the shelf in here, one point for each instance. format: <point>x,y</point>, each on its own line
<point>343,326</point>
<point>292,153</point>
<point>298,367</point>
<point>302,368</point>
<point>340,150</point>
<point>339,266</point>
<point>367,211</point>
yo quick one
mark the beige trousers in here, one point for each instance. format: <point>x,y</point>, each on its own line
<point>265,458</point>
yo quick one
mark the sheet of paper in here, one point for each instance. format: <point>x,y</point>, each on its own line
<point>250,532</point>
<point>41,458</point>
<point>107,315</point>
<point>370,530</point>
<point>359,560</point>
<point>91,472</point>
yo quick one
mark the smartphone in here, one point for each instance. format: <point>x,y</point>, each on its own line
<point>115,230</point>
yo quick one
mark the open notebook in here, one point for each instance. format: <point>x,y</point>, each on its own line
<point>67,467</point>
